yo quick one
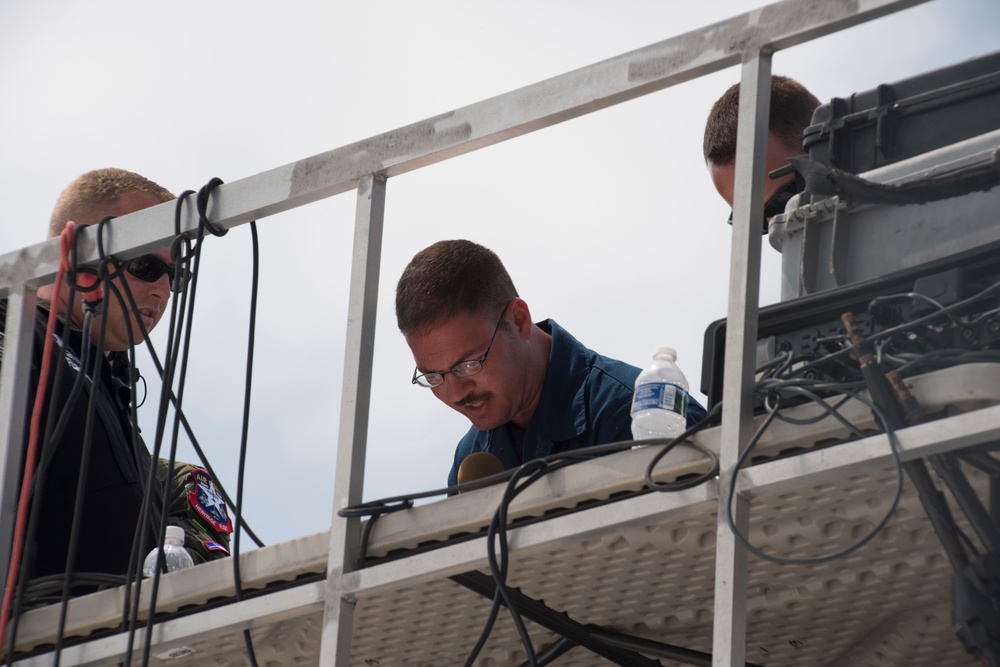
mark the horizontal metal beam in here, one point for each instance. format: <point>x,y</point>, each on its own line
<point>465,556</point>
<point>534,107</point>
<point>823,465</point>
<point>246,615</point>
<point>806,469</point>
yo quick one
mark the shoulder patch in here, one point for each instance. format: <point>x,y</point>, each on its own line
<point>215,546</point>
<point>207,502</point>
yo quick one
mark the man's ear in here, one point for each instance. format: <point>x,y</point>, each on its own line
<point>521,317</point>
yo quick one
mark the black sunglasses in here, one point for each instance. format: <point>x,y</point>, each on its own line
<point>776,204</point>
<point>151,267</point>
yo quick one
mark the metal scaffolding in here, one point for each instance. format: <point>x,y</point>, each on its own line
<point>365,166</point>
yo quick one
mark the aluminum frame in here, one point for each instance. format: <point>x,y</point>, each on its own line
<point>749,39</point>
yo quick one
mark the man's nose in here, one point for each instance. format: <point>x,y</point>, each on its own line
<point>160,288</point>
<point>454,388</point>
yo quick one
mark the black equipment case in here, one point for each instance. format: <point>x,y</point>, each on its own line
<point>901,120</point>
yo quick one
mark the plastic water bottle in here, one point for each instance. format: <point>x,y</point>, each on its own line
<point>659,406</point>
<point>174,554</point>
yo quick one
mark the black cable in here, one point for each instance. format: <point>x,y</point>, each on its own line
<point>63,422</point>
<point>680,440</point>
<point>772,414</point>
<point>148,506</point>
<point>497,530</point>
<point>245,430</point>
<point>133,574</point>
<point>913,296</point>
<point>808,366</point>
<point>385,505</point>
<point>204,196</point>
<point>184,311</point>
<point>149,486</point>
<point>188,430</point>
<point>830,410</point>
<point>53,439</point>
<point>49,442</point>
<point>496,538</point>
<point>74,534</point>
<point>554,651</point>
<point>89,311</point>
<point>180,353</point>
<point>947,310</point>
<point>167,485</point>
<point>139,451</point>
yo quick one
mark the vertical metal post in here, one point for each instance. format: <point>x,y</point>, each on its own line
<point>729,635</point>
<point>15,385</point>
<point>335,647</point>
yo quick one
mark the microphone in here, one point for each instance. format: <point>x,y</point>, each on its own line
<point>479,465</point>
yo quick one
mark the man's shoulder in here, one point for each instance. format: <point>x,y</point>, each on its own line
<point>602,368</point>
<point>616,370</point>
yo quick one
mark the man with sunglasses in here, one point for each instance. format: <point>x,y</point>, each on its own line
<point>529,389</point>
<point>119,462</point>
<point>791,110</point>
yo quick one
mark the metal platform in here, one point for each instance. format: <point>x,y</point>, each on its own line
<point>657,566</point>
<point>588,546</point>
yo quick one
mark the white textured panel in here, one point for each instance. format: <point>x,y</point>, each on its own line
<point>887,604</point>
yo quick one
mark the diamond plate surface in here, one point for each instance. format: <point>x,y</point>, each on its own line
<point>885,604</point>
<point>651,577</point>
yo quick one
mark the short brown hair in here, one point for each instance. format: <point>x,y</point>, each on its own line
<point>791,111</point>
<point>98,188</point>
<point>448,278</point>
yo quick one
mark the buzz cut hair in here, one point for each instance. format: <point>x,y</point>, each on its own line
<point>449,278</point>
<point>96,189</point>
<point>791,110</point>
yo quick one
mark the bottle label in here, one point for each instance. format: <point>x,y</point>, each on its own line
<point>660,396</point>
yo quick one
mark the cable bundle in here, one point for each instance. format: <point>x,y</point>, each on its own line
<point>42,448</point>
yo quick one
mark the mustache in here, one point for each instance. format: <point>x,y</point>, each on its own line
<point>471,398</point>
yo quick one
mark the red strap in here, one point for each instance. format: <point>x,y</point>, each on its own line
<point>31,454</point>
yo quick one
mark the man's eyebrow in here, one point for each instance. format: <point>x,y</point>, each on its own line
<point>465,357</point>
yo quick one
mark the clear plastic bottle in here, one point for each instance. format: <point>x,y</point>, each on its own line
<point>174,553</point>
<point>659,406</point>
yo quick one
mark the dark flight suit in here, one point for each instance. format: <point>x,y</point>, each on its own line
<point>116,474</point>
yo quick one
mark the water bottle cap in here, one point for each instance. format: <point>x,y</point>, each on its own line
<point>175,533</point>
<point>665,351</point>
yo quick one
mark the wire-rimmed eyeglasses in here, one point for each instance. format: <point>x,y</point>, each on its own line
<point>462,369</point>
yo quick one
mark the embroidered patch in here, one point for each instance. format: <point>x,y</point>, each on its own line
<point>215,546</point>
<point>208,503</point>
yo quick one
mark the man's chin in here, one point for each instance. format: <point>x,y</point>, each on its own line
<point>484,422</point>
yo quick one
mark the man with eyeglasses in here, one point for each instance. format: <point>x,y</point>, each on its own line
<point>118,459</point>
<point>529,389</point>
<point>790,114</point>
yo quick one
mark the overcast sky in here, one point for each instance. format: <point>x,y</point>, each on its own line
<point>607,223</point>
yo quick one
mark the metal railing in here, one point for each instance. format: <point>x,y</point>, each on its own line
<point>749,40</point>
